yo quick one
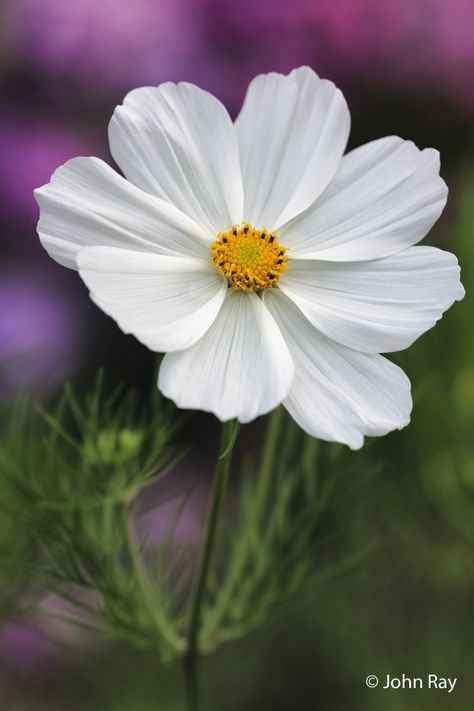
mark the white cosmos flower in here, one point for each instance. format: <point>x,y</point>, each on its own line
<point>267,266</point>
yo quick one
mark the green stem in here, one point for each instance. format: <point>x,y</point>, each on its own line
<point>228,437</point>
<point>270,451</point>
<point>190,669</point>
<point>145,588</point>
<point>269,454</point>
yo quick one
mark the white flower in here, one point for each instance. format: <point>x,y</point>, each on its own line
<point>268,267</point>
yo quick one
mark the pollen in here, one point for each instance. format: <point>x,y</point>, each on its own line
<point>250,259</point>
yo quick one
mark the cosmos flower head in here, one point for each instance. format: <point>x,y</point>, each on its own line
<point>268,266</point>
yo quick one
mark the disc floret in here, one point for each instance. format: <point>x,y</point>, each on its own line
<point>249,258</point>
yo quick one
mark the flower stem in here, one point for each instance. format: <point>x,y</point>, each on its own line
<point>229,433</point>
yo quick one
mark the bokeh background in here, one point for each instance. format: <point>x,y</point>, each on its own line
<point>407,68</point>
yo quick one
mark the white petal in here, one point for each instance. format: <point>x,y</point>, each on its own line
<point>241,367</point>
<point>168,303</point>
<point>292,132</point>
<point>377,306</point>
<point>338,394</point>
<point>178,142</point>
<point>385,197</point>
<point>87,203</point>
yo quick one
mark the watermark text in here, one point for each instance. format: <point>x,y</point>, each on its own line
<point>430,681</point>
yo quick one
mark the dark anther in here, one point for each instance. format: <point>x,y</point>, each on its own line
<point>272,238</point>
<point>280,261</point>
<point>234,233</point>
<point>272,276</point>
<point>280,254</point>
<point>221,264</point>
<point>246,229</point>
<point>224,239</point>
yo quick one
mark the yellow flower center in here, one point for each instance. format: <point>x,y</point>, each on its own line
<point>250,259</point>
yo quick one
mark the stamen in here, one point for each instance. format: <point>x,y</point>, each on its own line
<point>250,259</point>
